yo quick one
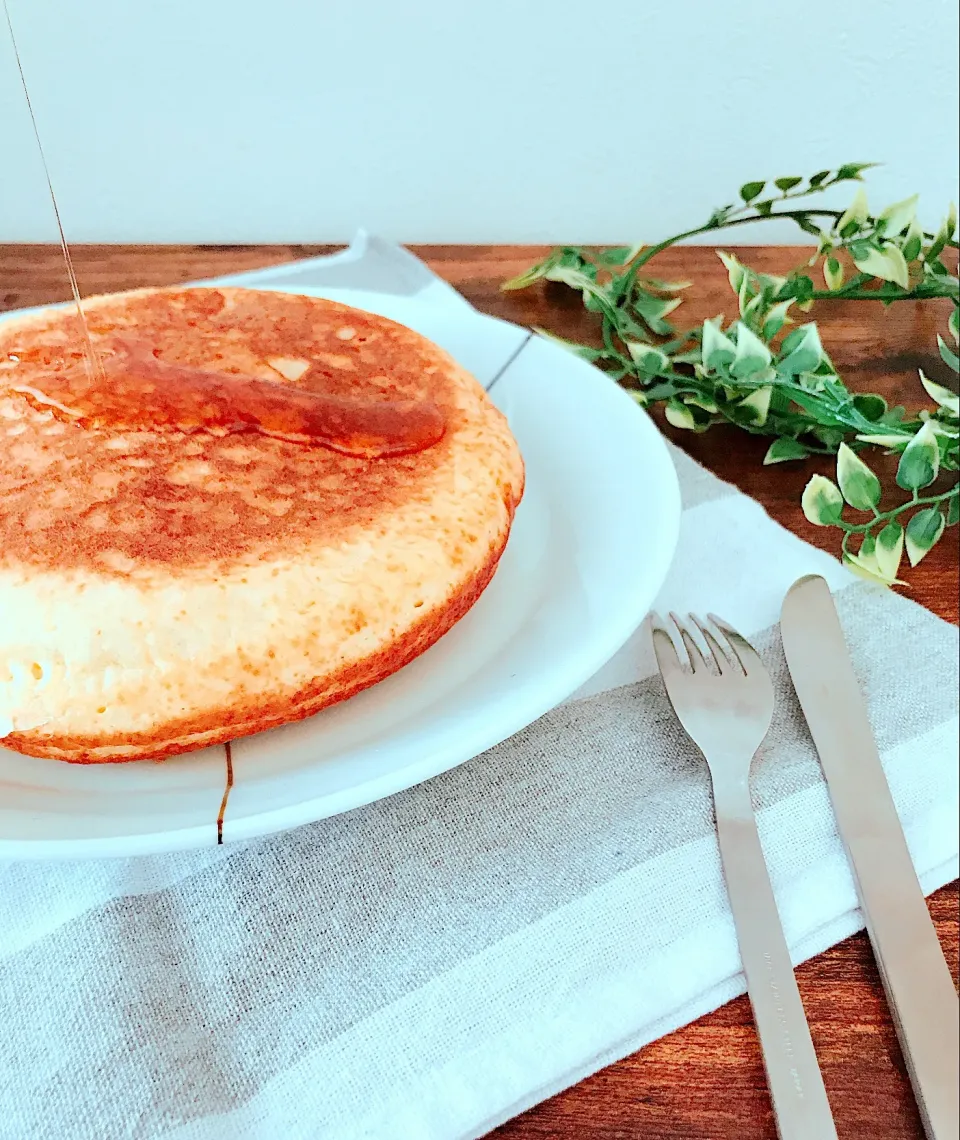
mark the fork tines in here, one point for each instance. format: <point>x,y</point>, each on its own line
<point>720,650</point>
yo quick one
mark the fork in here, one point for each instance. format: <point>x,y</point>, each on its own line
<point>723,697</point>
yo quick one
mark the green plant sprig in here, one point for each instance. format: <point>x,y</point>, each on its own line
<point>930,454</point>
<point>769,381</point>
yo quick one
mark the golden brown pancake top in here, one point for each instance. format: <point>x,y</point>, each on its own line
<point>118,500</point>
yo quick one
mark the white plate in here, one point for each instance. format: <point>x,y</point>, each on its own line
<point>590,547</point>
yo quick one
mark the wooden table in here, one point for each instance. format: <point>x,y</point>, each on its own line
<point>704,1082</point>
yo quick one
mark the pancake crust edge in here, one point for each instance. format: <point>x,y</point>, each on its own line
<point>161,593</point>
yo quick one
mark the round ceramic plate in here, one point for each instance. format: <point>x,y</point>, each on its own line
<point>590,547</point>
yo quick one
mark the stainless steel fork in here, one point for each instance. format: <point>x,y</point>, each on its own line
<point>723,697</point>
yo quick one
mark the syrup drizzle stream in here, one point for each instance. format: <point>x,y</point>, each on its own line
<point>95,369</point>
<point>92,359</point>
<point>226,792</point>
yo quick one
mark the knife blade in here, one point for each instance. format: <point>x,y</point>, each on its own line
<point>917,981</point>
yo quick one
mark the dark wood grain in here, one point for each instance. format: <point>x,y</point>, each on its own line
<point>704,1082</point>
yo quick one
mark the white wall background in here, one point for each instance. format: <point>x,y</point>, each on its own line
<point>446,120</point>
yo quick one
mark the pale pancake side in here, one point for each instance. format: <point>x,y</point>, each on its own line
<point>160,593</point>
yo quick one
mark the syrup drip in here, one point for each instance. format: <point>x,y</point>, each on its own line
<point>226,792</point>
<point>142,393</point>
<point>90,353</point>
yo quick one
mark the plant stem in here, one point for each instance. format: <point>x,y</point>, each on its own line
<point>648,254</point>
<point>886,516</point>
<point>859,295</point>
<point>854,294</point>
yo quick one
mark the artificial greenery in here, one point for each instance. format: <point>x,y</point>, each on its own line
<point>766,380</point>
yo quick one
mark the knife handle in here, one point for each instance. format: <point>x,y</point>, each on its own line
<point>916,978</point>
<point>800,1103</point>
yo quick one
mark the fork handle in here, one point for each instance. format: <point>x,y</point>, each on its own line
<point>800,1103</point>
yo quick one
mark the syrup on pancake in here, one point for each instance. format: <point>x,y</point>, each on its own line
<point>135,390</point>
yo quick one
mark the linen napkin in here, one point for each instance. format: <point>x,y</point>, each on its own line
<point>427,966</point>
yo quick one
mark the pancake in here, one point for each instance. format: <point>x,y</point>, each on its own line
<point>171,583</point>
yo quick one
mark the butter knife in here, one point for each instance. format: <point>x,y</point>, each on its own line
<point>917,981</point>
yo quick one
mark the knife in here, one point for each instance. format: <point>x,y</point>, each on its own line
<point>915,975</point>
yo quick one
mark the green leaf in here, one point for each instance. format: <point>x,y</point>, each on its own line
<point>783,450</point>
<point>954,324</point>
<point>944,234</point>
<point>627,327</point>
<point>717,349</point>
<point>701,400</point>
<point>657,393</point>
<point>770,284</point>
<point>776,318</point>
<point>897,217</point>
<point>947,433</point>
<point>950,358</point>
<point>949,401</point>
<point>786,184</point>
<point>752,354</point>
<point>750,307</point>
<point>736,272</point>
<point>885,440</point>
<point>615,257</point>
<point>649,359</point>
<point>719,216</point>
<point>576,277</point>
<point>833,273</point>
<point>653,310</point>
<point>889,550</point>
<point>899,271</point>
<point>792,339</point>
<point>799,285</point>
<point>855,214</point>
<point>914,241</point>
<point>757,405</point>
<point>584,351</point>
<point>923,533</point>
<point>887,263</point>
<point>829,437</point>
<point>679,415</point>
<point>822,502</point>
<point>864,563</point>
<point>764,208</point>
<point>750,190</point>
<point>871,407</point>
<point>858,484</point>
<point>817,180</point>
<point>852,170</point>
<point>911,247</point>
<point>534,273</point>
<point>920,462</point>
<point>667,286</point>
<point>933,251</point>
<point>953,509</point>
<point>895,416</point>
<point>803,351</point>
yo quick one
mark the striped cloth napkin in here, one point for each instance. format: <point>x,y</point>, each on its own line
<point>427,966</point>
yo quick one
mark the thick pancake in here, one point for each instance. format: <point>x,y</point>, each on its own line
<point>161,590</point>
